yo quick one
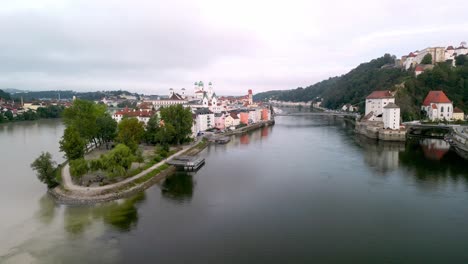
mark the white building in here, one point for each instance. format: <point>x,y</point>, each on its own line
<point>409,61</point>
<point>205,119</point>
<point>377,100</point>
<point>391,116</point>
<point>437,53</point>
<point>174,99</point>
<point>231,120</point>
<point>438,106</point>
<point>141,115</point>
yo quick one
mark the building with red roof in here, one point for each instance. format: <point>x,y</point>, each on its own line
<point>438,106</point>
<point>376,101</point>
<point>418,70</point>
<point>141,115</point>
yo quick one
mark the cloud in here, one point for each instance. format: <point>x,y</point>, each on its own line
<point>150,46</point>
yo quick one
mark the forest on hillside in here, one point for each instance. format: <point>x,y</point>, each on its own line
<point>354,86</point>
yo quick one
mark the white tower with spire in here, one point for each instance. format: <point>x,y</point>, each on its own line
<point>210,90</point>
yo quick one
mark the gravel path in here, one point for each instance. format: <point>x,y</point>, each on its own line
<point>70,186</point>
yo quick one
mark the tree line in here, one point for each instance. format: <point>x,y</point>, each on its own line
<point>51,111</point>
<point>89,125</point>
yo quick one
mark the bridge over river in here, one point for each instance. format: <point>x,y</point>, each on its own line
<point>318,114</point>
<point>430,130</point>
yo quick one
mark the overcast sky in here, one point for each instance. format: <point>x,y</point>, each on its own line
<point>151,46</point>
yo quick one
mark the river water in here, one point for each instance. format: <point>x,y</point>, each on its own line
<point>307,190</point>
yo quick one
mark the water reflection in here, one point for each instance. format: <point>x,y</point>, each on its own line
<point>434,149</point>
<point>47,208</point>
<point>431,160</point>
<point>121,215</point>
<point>178,187</point>
<point>381,156</point>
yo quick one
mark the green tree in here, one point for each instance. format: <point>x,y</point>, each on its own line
<point>153,129</point>
<point>9,115</point>
<point>83,116</point>
<point>118,161</point>
<point>427,59</point>
<point>180,119</point>
<point>79,167</point>
<point>461,60</point>
<point>130,133</point>
<point>45,169</point>
<point>107,129</point>
<point>72,144</point>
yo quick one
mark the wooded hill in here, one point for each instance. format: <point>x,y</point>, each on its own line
<point>354,86</point>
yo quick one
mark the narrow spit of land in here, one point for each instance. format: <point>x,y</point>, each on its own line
<point>70,193</point>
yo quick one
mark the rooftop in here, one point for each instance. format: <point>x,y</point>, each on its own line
<point>437,97</point>
<point>380,95</point>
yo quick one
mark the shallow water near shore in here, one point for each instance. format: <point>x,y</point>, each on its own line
<point>307,190</point>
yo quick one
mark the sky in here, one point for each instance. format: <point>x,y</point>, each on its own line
<point>151,46</point>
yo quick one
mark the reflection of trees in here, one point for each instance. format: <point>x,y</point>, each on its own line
<point>46,211</point>
<point>178,187</point>
<point>76,219</point>
<point>122,215</point>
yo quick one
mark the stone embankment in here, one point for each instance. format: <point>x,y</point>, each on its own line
<point>250,127</point>
<point>375,130</point>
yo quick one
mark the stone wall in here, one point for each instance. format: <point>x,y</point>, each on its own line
<point>392,135</point>
<point>69,197</point>
<point>375,130</point>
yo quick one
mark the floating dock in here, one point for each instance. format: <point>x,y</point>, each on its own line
<point>187,163</point>
<point>222,140</point>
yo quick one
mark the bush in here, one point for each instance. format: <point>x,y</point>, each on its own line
<point>78,167</point>
<point>157,158</point>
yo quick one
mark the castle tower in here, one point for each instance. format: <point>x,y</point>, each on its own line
<point>250,97</point>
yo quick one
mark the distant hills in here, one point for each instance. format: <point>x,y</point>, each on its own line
<point>379,74</point>
<point>60,94</point>
<point>12,90</point>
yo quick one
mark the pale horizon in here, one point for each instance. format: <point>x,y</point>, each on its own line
<point>149,47</point>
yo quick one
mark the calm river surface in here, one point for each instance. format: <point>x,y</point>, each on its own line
<point>307,190</point>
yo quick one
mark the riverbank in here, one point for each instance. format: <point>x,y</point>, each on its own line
<point>70,193</point>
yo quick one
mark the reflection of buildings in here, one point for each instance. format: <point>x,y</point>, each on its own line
<point>382,156</point>
<point>244,139</point>
<point>434,149</point>
<point>265,132</point>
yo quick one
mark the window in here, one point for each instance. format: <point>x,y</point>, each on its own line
<point>442,109</point>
